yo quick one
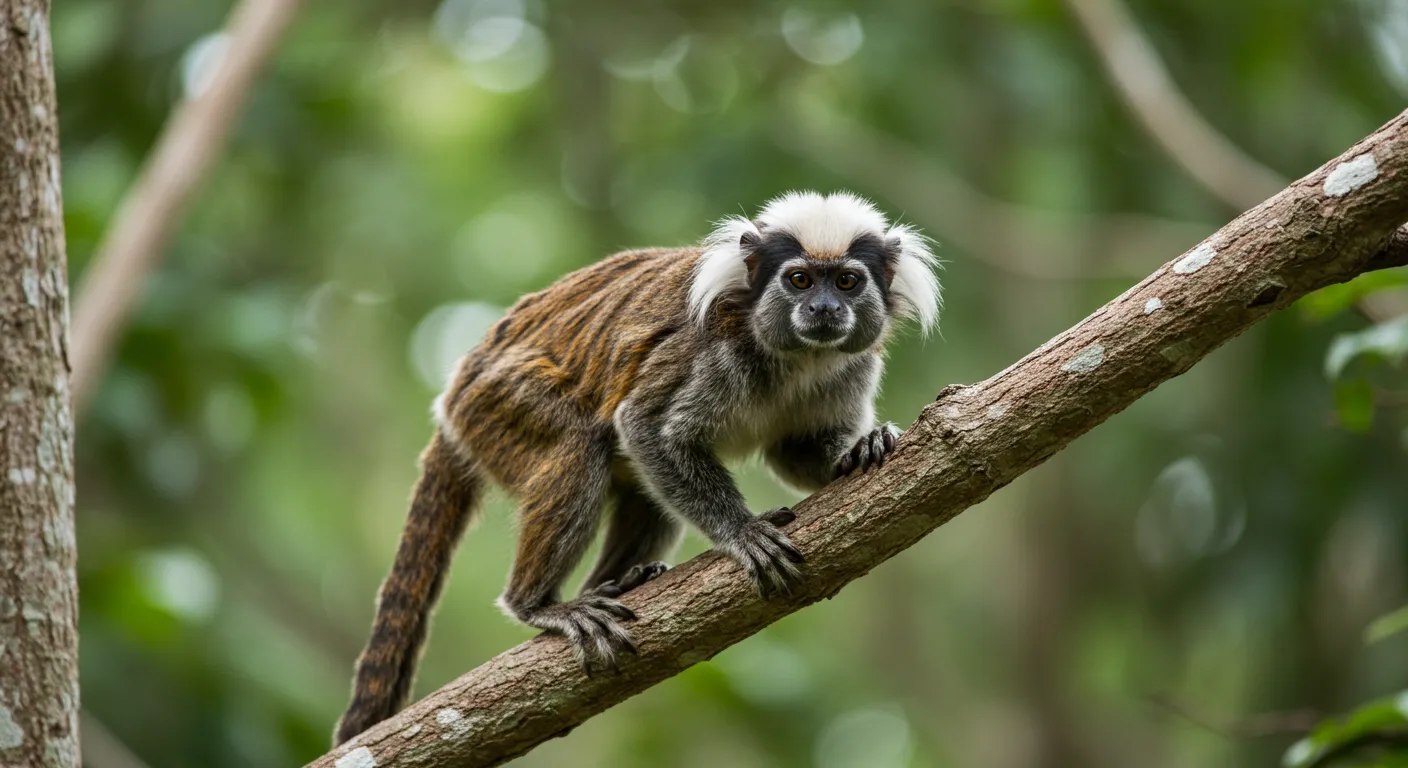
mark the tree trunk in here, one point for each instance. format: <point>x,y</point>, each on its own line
<point>38,588</point>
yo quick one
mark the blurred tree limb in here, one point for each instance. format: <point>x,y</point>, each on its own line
<point>1143,82</point>
<point>1133,67</point>
<point>1021,240</point>
<point>152,208</point>
<point>101,749</point>
<point>1332,225</point>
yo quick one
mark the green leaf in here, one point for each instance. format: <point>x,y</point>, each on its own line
<point>1387,625</point>
<point>1328,302</point>
<point>1377,716</point>
<point>1388,341</point>
<point>1354,404</point>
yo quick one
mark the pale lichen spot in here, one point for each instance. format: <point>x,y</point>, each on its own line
<point>997,411</point>
<point>20,146</point>
<point>22,475</point>
<point>1199,258</point>
<point>453,722</point>
<point>11,734</point>
<point>17,395</point>
<point>29,281</point>
<point>411,732</point>
<point>1089,359</point>
<point>34,621</point>
<point>448,716</point>
<point>361,757</point>
<point>61,751</point>
<point>1153,305</point>
<point>1351,175</point>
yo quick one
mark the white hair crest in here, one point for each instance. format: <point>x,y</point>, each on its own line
<point>821,224</point>
<point>915,287</point>
<point>720,269</point>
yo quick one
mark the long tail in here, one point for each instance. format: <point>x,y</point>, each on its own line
<point>444,501</point>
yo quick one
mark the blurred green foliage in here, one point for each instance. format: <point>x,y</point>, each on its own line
<point>403,172</point>
<point>1373,736</point>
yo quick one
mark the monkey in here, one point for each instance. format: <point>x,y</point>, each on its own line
<point>626,386</point>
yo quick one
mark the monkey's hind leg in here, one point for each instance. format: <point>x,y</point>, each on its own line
<point>641,532</point>
<point>561,505</point>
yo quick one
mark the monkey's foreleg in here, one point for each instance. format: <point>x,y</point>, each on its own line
<point>691,480</point>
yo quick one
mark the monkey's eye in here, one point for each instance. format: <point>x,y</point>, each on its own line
<point>800,280</point>
<point>847,281</point>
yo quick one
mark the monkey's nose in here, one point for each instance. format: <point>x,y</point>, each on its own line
<point>824,307</point>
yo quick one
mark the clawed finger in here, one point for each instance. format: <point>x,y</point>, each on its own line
<point>780,517</point>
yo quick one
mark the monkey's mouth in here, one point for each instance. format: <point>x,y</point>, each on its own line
<point>823,334</point>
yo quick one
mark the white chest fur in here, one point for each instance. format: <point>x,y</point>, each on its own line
<point>807,397</point>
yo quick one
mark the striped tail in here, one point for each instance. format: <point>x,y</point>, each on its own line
<point>442,505</point>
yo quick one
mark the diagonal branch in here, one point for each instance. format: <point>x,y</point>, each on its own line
<point>1134,68</point>
<point>1136,71</point>
<point>184,153</point>
<point>1330,226</point>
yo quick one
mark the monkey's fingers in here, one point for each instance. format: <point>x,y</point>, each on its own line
<point>640,574</point>
<point>870,451</point>
<point>780,517</point>
<point>846,465</point>
<point>608,636</point>
<point>877,448</point>
<point>608,589</point>
<point>597,638</point>
<point>776,562</point>
<point>608,606</point>
<point>778,540</point>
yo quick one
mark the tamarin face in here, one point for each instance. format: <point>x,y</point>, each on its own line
<point>800,300</point>
<point>818,273</point>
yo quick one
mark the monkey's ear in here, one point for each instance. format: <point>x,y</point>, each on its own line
<point>751,261</point>
<point>894,250</point>
<point>748,244</point>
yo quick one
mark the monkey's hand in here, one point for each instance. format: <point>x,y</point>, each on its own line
<point>870,450</point>
<point>592,624</point>
<point>765,552</point>
<point>636,576</point>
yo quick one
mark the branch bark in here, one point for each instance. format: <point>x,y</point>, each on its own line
<point>151,209</point>
<point>38,587</point>
<point>1326,228</point>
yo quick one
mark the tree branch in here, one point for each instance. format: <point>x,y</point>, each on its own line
<point>975,439</point>
<point>1134,67</point>
<point>149,213</point>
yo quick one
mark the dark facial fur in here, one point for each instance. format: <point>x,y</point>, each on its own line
<point>821,315</point>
